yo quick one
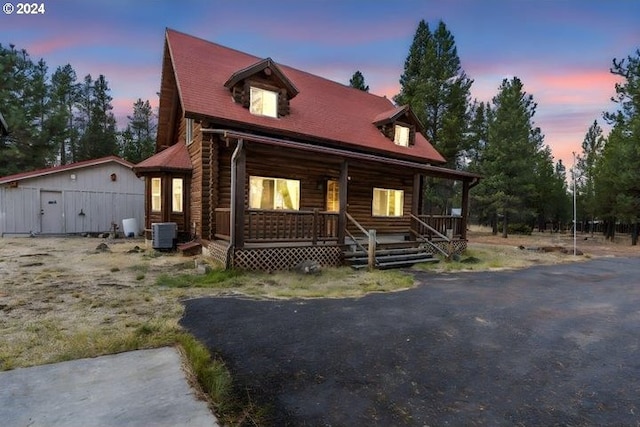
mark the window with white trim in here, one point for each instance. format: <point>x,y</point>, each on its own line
<point>156,194</point>
<point>401,135</point>
<point>176,194</point>
<point>387,202</point>
<point>263,102</point>
<point>274,193</point>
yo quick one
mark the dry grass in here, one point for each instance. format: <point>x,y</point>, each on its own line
<point>61,299</point>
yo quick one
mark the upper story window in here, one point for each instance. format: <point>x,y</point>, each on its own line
<point>401,135</point>
<point>263,102</point>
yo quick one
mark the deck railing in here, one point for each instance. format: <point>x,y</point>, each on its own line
<point>450,226</point>
<point>290,226</point>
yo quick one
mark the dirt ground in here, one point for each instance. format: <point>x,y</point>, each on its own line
<point>64,298</point>
<point>56,293</point>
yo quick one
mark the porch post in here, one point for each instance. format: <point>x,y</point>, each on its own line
<point>240,192</point>
<point>465,209</point>
<point>416,200</point>
<point>418,181</point>
<point>342,195</point>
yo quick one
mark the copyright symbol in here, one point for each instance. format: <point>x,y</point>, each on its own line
<point>7,8</point>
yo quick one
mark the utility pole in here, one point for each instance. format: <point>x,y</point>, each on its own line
<point>575,223</point>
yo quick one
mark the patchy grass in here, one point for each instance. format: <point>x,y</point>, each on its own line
<point>329,283</point>
<point>481,257</point>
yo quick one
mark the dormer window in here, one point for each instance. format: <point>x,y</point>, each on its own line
<point>263,102</point>
<point>399,125</point>
<point>263,89</point>
<point>401,135</point>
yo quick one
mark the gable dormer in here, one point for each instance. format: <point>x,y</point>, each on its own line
<point>399,125</point>
<point>263,89</point>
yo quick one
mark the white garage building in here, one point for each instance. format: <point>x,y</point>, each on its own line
<point>83,197</point>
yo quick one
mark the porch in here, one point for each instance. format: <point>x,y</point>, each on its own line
<point>280,239</point>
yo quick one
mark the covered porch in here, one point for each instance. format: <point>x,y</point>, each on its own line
<point>253,238</point>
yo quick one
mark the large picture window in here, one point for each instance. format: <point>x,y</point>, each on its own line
<point>274,193</point>
<point>156,194</point>
<point>263,102</point>
<point>176,191</point>
<point>387,202</point>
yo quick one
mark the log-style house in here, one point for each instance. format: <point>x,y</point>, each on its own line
<point>267,166</point>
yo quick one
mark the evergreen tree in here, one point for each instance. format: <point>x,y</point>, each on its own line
<point>510,159</point>
<point>357,81</point>
<point>138,139</point>
<point>100,136</point>
<point>23,96</point>
<point>617,173</point>
<point>477,134</point>
<point>592,147</point>
<point>61,126</point>
<point>437,89</point>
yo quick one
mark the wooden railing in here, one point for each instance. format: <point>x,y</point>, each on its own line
<point>290,226</point>
<point>449,226</point>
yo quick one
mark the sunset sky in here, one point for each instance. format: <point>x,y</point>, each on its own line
<point>560,49</point>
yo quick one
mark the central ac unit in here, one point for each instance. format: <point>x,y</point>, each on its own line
<point>164,235</point>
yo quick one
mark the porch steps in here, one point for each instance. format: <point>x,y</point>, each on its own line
<point>390,258</point>
<point>190,248</point>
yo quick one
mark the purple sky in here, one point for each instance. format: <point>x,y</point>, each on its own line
<point>560,49</point>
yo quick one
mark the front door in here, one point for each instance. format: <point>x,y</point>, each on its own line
<point>52,220</point>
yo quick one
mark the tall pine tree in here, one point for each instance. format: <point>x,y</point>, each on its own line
<point>437,89</point>
<point>511,156</point>
<point>99,137</point>
<point>357,82</point>
<point>138,139</point>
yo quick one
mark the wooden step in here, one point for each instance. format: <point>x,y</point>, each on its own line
<point>190,248</point>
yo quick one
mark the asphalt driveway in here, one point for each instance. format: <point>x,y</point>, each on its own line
<point>550,345</point>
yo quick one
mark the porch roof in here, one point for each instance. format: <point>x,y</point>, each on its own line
<point>435,171</point>
<point>173,159</point>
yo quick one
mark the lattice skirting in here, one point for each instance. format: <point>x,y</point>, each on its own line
<point>285,258</point>
<point>217,250</point>
<point>459,246</point>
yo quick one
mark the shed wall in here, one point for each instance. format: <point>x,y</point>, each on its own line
<point>91,201</point>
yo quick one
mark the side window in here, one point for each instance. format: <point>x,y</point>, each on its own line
<point>156,194</point>
<point>177,195</point>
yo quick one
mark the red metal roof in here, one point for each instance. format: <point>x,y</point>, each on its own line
<point>174,158</point>
<point>323,109</point>
<point>70,166</point>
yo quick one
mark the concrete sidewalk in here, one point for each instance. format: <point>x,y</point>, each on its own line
<point>138,388</point>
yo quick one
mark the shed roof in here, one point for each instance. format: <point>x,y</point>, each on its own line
<point>68,167</point>
<point>323,112</point>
